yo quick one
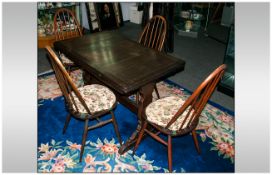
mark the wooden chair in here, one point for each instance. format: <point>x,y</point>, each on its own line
<point>86,103</point>
<point>153,36</point>
<point>174,117</point>
<point>66,26</point>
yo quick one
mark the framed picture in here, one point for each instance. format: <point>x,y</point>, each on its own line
<point>107,16</point>
<point>104,16</point>
<point>93,18</point>
<point>118,13</point>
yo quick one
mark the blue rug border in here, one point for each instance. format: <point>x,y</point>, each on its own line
<point>222,108</point>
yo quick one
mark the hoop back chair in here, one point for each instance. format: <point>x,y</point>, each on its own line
<point>174,117</point>
<point>66,26</point>
<point>153,36</point>
<point>85,103</point>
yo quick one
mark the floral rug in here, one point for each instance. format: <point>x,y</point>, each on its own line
<point>102,157</point>
<point>60,153</point>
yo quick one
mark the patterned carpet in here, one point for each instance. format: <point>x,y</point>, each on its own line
<point>60,153</point>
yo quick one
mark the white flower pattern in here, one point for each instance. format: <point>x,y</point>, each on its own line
<point>65,60</point>
<point>97,98</point>
<point>161,111</point>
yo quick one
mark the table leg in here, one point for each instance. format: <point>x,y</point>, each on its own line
<point>87,78</point>
<point>146,95</point>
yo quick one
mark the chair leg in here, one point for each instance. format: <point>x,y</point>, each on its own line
<point>195,141</point>
<point>67,121</point>
<point>157,92</point>
<point>140,136</point>
<point>116,128</point>
<point>137,97</point>
<point>169,147</point>
<point>84,136</point>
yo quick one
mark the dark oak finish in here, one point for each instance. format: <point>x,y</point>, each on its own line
<point>193,106</point>
<point>123,65</point>
<point>120,63</point>
<point>68,87</point>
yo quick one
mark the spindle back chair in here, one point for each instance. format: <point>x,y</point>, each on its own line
<point>66,25</point>
<point>185,116</point>
<point>153,35</point>
<point>78,101</point>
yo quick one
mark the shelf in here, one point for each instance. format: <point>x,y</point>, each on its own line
<point>182,32</point>
<point>192,34</point>
<point>180,28</point>
<point>46,40</point>
<point>46,20</point>
<point>193,12</point>
<point>55,7</point>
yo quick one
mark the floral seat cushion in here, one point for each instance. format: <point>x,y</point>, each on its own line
<point>66,60</point>
<point>97,98</point>
<point>161,111</point>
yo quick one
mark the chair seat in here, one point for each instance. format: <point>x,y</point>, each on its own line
<point>65,60</point>
<point>161,111</point>
<point>97,98</point>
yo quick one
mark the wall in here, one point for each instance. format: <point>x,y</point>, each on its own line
<point>125,9</point>
<point>84,17</point>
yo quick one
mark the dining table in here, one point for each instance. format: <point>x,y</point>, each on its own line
<point>123,65</point>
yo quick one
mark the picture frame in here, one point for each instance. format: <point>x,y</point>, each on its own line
<point>104,16</point>
<point>93,18</point>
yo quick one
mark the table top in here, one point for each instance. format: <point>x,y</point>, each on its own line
<point>120,63</point>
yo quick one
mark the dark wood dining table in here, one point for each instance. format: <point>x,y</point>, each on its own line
<point>123,65</point>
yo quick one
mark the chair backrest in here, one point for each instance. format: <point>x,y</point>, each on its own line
<point>194,105</point>
<point>153,35</point>
<point>66,25</point>
<point>66,84</point>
